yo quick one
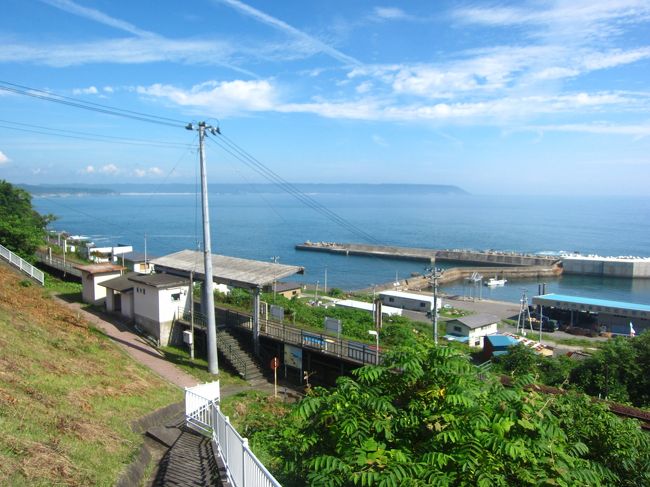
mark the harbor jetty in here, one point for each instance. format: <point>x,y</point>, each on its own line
<point>482,258</point>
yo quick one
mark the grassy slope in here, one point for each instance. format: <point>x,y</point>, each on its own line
<point>67,394</point>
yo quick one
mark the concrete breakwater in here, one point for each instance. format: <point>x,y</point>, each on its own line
<point>489,257</point>
<point>454,274</point>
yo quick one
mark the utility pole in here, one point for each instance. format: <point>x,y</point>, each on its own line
<point>435,274</point>
<point>192,314</point>
<point>325,287</point>
<point>275,259</point>
<point>208,294</point>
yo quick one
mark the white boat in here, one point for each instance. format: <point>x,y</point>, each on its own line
<point>494,282</point>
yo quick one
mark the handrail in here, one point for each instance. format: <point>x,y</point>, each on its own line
<point>22,264</point>
<point>57,263</point>
<point>223,345</point>
<point>227,350</point>
<point>202,413</point>
<point>346,349</point>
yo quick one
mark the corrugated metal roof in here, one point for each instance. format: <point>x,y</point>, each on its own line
<point>501,340</point>
<point>99,268</point>
<point>226,270</point>
<point>159,280</point>
<point>551,299</point>
<point>476,321</point>
<point>120,284</point>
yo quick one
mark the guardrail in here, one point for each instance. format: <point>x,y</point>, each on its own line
<point>203,414</point>
<point>57,263</point>
<point>22,264</point>
<point>346,349</point>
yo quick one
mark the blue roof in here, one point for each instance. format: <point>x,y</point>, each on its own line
<point>562,298</point>
<point>501,340</point>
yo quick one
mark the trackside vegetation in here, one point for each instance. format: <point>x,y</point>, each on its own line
<point>67,394</point>
<point>22,228</point>
<point>427,416</point>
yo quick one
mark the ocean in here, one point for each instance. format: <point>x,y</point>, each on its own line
<point>259,224</point>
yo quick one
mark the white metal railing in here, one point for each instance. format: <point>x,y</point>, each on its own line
<point>242,466</point>
<point>202,412</point>
<point>22,264</point>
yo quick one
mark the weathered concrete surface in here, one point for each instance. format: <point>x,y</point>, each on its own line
<point>428,255</point>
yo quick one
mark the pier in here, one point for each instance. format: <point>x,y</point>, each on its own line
<point>483,258</point>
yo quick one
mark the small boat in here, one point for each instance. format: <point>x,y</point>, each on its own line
<point>494,282</point>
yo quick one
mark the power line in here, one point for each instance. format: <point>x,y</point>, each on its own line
<point>85,105</point>
<point>240,154</point>
<point>71,134</point>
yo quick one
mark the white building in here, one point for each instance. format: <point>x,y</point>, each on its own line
<point>362,305</point>
<point>157,300</point>
<point>119,295</point>
<point>107,254</point>
<point>474,328</point>
<point>411,301</point>
<point>91,277</point>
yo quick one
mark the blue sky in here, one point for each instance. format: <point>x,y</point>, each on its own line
<point>495,97</point>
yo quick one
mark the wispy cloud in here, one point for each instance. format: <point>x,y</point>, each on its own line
<point>389,13</point>
<point>97,16</point>
<point>3,158</point>
<point>638,131</point>
<point>91,90</point>
<point>110,169</point>
<point>88,170</point>
<point>290,30</point>
<point>152,171</point>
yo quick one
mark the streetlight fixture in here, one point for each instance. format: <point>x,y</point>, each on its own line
<point>375,333</point>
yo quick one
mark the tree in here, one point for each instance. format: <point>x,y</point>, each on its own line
<point>613,372</point>
<point>427,417</point>
<point>22,229</point>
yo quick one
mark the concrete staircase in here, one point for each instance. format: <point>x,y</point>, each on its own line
<point>241,360</point>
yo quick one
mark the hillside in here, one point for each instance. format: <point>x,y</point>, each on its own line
<point>67,394</point>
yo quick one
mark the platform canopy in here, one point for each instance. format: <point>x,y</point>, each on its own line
<point>232,271</point>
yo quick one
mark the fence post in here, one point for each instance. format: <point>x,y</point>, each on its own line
<point>243,460</point>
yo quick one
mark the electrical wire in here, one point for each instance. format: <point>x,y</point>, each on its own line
<point>85,105</point>
<point>241,155</point>
<point>70,134</point>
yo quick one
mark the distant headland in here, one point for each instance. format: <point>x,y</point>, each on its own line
<point>237,188</point>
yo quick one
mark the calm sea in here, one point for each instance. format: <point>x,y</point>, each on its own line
<point>262,225</point>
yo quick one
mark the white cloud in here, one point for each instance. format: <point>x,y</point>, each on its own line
<point>389,13</point>
<point>3,158</point>
<point>641,130</point>
<point>108,89</point>
<point>97,16</point>
<point>152,171</point>
<point>563,11</point>
<point>110,169</point>
<point>364,87</point>
<point>88,170</point>
<point>282,26</point>
<point>379,140</point>
<point>91,90</point>
<point>219,96</point>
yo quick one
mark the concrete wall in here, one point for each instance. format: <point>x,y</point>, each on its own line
<point>155,309</point>
<point>476,335</point>
<point>92,292</point>
<point>595,267</point>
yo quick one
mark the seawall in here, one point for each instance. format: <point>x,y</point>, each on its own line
<point>429,255</point>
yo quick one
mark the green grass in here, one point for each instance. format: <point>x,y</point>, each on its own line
<point>198,367</point>
<point>67,395</point>
<point>70,290</point>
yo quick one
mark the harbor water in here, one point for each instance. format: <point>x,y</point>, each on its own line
<point>263,225</point>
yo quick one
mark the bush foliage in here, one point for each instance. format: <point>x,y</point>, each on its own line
<point>428,417</point>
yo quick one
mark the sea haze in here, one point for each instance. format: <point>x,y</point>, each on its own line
<point>262,221</point>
